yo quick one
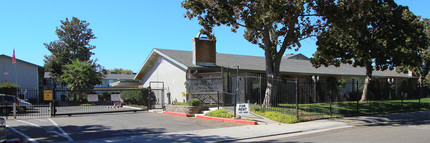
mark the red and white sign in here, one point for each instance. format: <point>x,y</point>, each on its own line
<point>5,73</point>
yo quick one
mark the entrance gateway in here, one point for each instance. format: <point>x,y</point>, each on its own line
<point>157,94</point>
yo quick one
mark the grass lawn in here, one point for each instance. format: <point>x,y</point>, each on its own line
<point>348,108</point>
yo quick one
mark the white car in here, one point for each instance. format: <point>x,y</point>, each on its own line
<point>24,105</point>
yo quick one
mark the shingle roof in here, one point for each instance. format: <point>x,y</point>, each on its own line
<point>2,55</point>
<point>120,76</point>
<point>288,66</point>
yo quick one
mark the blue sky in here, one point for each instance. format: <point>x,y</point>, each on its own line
<point>126,30</point>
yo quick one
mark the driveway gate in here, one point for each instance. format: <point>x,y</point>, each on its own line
<point>157,92</point>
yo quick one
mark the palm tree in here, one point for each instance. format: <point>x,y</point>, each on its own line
<point>81,75</point>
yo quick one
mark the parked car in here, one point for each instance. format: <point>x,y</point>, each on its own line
<point>6,103</point>
<point>23,106</point>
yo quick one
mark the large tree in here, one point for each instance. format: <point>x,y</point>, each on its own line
<point>273,25</point>
<point>73,43</point>
<point>375,34</point>
<point>422,68</point>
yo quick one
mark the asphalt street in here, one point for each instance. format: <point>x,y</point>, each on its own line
<point>395,128</point>
<point>94,126</point>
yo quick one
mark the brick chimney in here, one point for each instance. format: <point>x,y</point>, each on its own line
<point>204,51</point>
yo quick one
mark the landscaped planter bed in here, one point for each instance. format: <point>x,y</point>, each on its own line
<point>189,111</point>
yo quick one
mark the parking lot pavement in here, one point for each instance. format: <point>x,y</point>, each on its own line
<point>94,126</point>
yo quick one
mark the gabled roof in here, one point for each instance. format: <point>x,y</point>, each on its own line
<point>289,64</point>
<point>2,55</point>
<point>296,56</point>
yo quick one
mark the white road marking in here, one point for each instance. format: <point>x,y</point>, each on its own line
<point>22,134</point>
<point>62,131</point>
<point>55,132</point>
<point>28,123</point>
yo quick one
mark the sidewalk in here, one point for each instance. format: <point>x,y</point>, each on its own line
<point>250,132</point>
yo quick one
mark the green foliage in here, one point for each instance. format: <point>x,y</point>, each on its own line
<point>120,71</point>
<point>180,103</point>
<point>273,25</point>
<point>105,96</point>
<point>8,88</point>
<point>73,41</point>
<point>8,84</point>
<point>255,107</point>
<point>276,116</point>
<point>375,34</point>
<point>136,97</point>
<point>81,75</point>
<point>222,113</point>
<point>194,102</point>
<point>422,67</point>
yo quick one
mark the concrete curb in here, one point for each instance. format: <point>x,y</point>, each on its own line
<point>177,114</point>
<point>227,120</point>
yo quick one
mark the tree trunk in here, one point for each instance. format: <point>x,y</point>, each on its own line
<point>271,90</point>
<point>273,60</point>
<point>421,81</point>
<point>272,72</point>
<point>369,70</point>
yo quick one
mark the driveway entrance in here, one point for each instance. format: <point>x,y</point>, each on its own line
<point>88,127</point>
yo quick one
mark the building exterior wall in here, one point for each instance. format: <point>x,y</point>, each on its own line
<point>24,74</point>
<point>172,76</point>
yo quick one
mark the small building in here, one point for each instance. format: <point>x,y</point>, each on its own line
<point>203,72</point>
<point>28,76</point>
<point>25,74</point>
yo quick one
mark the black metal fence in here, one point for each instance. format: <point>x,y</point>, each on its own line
<point>310,99</point>
<point>48,103</point>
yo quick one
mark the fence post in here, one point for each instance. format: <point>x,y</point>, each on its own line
<point>419,96</point>
<point>14,110</point>
<point>401,105</point>
<point>358,99</point>
<point>217,99</point>
<point>50,107</point>
<point>259,99</point>
<point>297,101</point>
<point>382,93</point>
<point>329,96</point>
<point>149,97</point>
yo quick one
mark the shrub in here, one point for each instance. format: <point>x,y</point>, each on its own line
<point>179,103</point>
<point>138,97</point>
<point>220,113</point>
<point>8,88</point>
<point>194,102</point>
<point>276,116</point>
<point>255,107</point>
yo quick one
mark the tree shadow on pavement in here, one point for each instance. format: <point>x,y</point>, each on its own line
<point>395,119</point>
